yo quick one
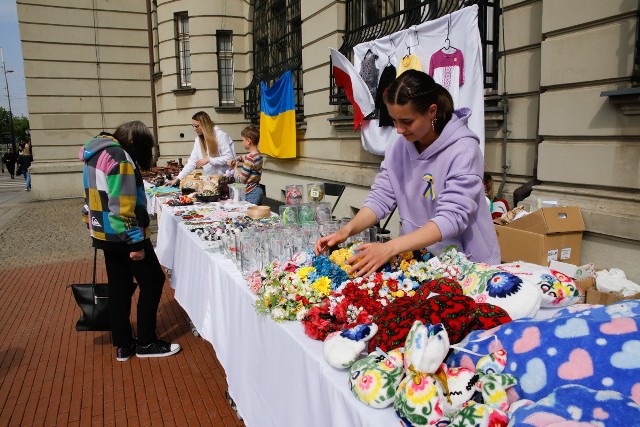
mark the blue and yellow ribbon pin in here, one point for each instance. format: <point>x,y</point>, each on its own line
<point>429,191</point>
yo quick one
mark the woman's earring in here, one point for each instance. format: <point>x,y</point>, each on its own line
<point>433,123</point>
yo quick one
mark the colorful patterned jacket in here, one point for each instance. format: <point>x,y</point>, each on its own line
<point>116,205</point>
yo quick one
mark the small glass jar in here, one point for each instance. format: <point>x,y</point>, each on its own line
<point>315,192</point>
<point>293,194</point>
<point>289,214</point>
<point>306,213</point>
<point>322,212</point>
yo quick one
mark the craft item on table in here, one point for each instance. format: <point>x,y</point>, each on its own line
<point>474,414</point>
<point>286,292</point>
<point>437,301</point>
<point>293,194</point>
<point>342,348</point>
<point>419,398</point>
<point>307,213</point>
<point>288,214</point>
<point>373,380</point>
<point>322,212</point>
<point>315,192</point>
<point>490,284</point>
<point>237,192</point>
<point>592,346</point>
<point>258,212</point>
<point>577,405</point>
<point>162,190</point>
<point>492,382</point>
<point>180,201</point>
<point>207,196</point>
<point>557,289</point>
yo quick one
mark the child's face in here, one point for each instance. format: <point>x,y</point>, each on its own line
<point>246,143</point>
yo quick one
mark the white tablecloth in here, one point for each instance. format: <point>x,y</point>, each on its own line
<point>277,375</point>
<point>165,242</point>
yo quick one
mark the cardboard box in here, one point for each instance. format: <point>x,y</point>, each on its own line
<point>544,235</point>
<point>594,296</point>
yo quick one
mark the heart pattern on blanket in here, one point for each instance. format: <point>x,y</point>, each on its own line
<point>635,393</point>
<point>573,328</point>
<point>628,357</point>
<point>600,414</point>
<point>619,326</point>
<point>536,376</point>
<point>530,339</point>
<point>578,366</point>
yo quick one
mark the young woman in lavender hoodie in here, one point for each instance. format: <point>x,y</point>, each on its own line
<point>433,173</point>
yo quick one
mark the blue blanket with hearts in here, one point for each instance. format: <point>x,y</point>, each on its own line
<point>593,346</point>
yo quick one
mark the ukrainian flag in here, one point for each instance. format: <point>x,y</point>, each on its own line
<point>278,118</point>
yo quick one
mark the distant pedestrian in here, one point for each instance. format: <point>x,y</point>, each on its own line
<point>9,159</point>
<point>24,163</point>
<point>119,225</point>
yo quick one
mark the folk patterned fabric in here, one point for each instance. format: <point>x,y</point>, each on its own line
<point>458,313</point>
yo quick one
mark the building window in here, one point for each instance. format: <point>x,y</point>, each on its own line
<point>224,41</point>
<point>277,47</point>
<point>156,39</point>
<point>373,19</point>
<point>183,50</point>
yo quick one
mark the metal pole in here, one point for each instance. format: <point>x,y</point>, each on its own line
<point>6,82</point>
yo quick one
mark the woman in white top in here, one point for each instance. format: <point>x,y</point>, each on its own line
<point>211,150</point>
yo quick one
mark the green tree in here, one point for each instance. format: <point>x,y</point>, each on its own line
<point>20,126</point>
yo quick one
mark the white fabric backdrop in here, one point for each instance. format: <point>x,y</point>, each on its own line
<point>431,35</point>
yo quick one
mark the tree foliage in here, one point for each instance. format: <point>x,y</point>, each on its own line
<point>20,126</point>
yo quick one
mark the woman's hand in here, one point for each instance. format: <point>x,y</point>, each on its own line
<point>231,162</point>
<point>368,258</point>
<point>173,183</point>
<point>200,163</point>
<point>324,243</point>
<point>137,256</point>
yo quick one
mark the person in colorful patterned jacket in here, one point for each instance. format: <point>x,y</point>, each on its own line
<point>249,166</point>
<point>119,225</point>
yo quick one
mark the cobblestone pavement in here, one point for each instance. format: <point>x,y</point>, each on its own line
<point>35,232</point>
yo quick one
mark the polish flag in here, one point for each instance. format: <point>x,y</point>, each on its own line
<point>354,87</point>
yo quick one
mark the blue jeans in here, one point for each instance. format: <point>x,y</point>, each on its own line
<point>254,196</point>
<point>27,179</point>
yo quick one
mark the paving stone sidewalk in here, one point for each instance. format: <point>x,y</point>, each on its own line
<point>51,375</point>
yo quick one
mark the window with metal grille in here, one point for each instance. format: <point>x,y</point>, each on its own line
<point>372,19</point>
<point>183,51</point>
<point>277,47</point>
<point>224,41</point>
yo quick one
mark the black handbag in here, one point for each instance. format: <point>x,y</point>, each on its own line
<point>93,300</point>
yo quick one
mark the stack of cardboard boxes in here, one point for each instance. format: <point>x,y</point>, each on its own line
<point>551,235</point>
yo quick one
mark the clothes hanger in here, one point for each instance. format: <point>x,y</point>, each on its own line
<point>415,32</point>
<point>389,64</point>
<point>447,41</point>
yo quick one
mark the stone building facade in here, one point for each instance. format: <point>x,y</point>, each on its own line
<point>563,115</point>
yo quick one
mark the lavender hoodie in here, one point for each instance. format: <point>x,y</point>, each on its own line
<point>442,184</point>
